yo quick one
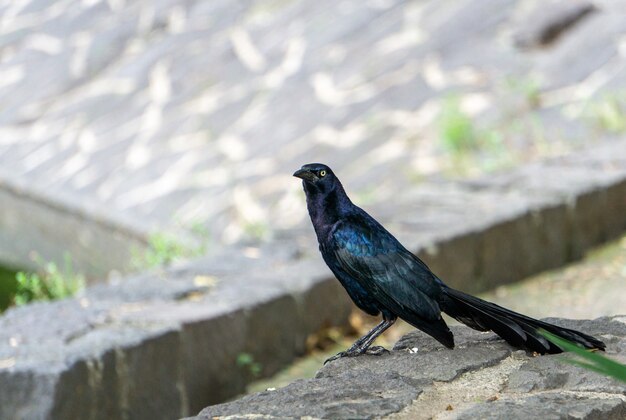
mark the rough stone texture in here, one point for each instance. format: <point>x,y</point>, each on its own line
<point>481,378</point>
<point>160,345</point>
<point>550,406</point>
<point>329,398</point>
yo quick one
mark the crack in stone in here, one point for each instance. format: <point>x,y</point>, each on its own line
<point>469,386</point>
<point>445,400</point>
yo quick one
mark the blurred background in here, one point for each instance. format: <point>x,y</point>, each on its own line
<point>191,115</point>
<point>178,123</point>
<point>137,133</point>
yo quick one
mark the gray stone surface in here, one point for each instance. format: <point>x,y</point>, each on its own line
<point>156,346</point>
<point>35,222</point>
<point>178,333</point>
<point>552,406</point>
<point>175,114</point>
<point>481,378</point>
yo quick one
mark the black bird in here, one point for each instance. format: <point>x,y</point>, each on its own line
<point>383,277</point>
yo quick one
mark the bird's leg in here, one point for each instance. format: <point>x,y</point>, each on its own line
<point>362,345</point>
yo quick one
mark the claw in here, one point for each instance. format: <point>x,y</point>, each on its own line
<point>335,357</point>
<point>347,353</point>
<point>373,351</point>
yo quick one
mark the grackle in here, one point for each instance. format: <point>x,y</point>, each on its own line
<point>382,277</point>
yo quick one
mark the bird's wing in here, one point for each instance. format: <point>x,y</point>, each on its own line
<point>398,279</point>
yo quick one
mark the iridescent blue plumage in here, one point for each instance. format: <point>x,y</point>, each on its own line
<point>383,277</point>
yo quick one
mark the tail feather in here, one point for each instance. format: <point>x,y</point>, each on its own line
<point>517,329</point>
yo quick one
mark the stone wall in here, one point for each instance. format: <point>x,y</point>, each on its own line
<point>482,377</point>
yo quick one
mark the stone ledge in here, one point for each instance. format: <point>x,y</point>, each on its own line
<point>157,346</point>
<point>98,241</point>
<point>165,344</point>
<point>483,377</point>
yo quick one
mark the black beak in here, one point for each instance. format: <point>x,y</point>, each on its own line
<point>305,174</point>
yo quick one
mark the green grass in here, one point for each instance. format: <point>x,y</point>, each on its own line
<point>163,250</point>
<point>589,360</point>
<point>456,129</point>
<point>470,147</point>
<point>50,282</point>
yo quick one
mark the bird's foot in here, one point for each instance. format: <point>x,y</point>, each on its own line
<point>373,351</point>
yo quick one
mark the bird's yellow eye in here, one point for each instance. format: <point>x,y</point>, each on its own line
<point>322,173</point>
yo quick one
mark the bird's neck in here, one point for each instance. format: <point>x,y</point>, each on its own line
<point>327,207</point>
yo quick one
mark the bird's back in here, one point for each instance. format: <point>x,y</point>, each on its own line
<point>399,282</point>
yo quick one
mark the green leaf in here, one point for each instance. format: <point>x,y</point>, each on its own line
<point>591,360</point>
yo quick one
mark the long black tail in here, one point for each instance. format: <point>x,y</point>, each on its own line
<point>517,329</point>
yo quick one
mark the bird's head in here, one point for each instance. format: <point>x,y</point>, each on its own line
<point>317,177</point>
